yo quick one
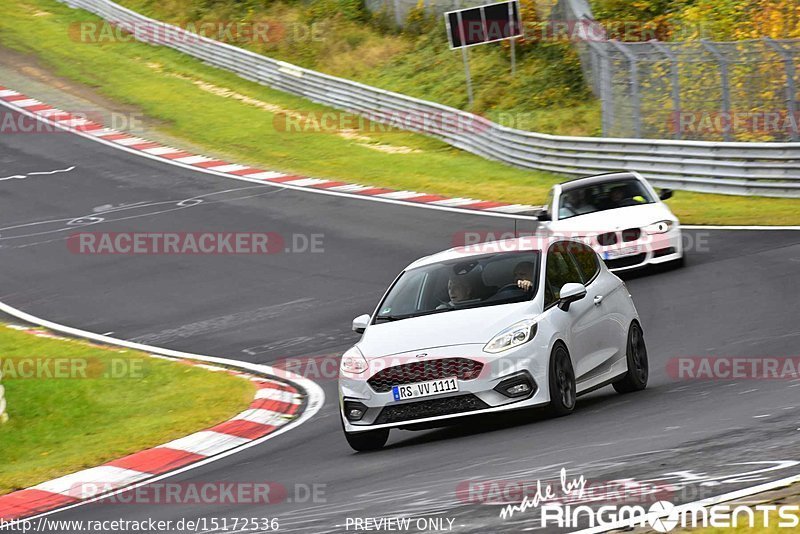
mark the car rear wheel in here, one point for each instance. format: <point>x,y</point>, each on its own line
<point>371,440</point>
<point>638,366</point>
<point>562,382</point>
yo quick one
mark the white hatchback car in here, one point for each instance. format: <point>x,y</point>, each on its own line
<point>533,321</point>
<point>620,216</point>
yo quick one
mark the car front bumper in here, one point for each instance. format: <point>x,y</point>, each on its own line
<point>475,396</point>
<point>651,250</point>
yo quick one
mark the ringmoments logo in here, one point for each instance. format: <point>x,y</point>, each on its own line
<point>664,516</point>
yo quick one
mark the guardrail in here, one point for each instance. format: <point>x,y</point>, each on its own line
<point>768,169</point>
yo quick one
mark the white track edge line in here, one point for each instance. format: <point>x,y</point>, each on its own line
<point>373,198</point>
<point>263,182</point>
<point>316,398</point>
<point>710,501</point>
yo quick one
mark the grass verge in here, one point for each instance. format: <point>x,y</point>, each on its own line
<point>246,122</point>
<point>73,404</point>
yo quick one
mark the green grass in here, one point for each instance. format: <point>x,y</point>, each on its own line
<point>207,106</point>
<point>546,94</point>
<point>109,402</point>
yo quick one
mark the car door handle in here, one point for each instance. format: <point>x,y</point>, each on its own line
<point>598,300</point>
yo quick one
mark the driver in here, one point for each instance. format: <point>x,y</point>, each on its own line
<point>523,275</point>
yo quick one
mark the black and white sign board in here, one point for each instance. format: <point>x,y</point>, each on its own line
<point>483,24</point>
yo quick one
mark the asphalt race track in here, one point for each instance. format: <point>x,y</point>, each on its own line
<point>738,296</point>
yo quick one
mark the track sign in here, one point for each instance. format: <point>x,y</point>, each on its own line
<point>483,24</point>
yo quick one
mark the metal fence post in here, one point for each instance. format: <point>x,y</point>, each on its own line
<point>726,87</point>
<point>397,15</point>
<point>633,72</point>
<point>603,84</point>
<point>791,90</point>
<point>676,85</point>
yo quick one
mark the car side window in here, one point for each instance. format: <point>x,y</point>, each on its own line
<point>561,269</point>
<point>587,261</point>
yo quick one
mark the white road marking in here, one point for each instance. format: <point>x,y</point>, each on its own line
<point>266,175</point>
<point>130,141</point>
<point>161,150</point>
<point>206,443</point>
<point>232,167</point>
<point>107,476</point>
<point>42,173</point>
<point>193,160</point>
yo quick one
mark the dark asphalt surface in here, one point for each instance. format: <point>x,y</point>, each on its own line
<point>738,296</point>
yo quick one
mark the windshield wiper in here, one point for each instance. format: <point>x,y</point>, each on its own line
<point>388,318</point>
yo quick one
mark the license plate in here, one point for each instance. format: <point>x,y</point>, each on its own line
<point>425,389</point>
<point>620,252</point>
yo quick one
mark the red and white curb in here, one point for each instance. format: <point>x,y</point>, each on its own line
<point>87,128</point>
<point>276,408</point>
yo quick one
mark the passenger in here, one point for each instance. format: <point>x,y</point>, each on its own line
<point>459,289</point>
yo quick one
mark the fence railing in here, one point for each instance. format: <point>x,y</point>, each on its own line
<point>769,169</point>
<point>746,90</point>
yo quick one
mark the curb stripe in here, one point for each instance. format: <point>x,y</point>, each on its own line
<point>274,404</point>
<point>156,461</point>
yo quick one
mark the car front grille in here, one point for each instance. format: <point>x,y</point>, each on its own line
<point>627,261</point>
<point>607,239</point>
<point>430,408</point>
<point>461,368</point>
<point>631,234</point>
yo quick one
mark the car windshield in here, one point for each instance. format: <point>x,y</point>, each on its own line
<point>592,198</point>
<point>471,282</point>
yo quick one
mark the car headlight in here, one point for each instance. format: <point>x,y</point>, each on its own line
<point>513,336</point>
<point>661,227</point>
<point>353,362</point>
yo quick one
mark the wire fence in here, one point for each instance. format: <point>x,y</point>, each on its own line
<point>730,91</point>
<point>701,90</point>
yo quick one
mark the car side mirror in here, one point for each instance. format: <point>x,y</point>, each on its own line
<point>569,294</point>
<point>360,323</point>
<point>664,194</point>
<point>543,215</point>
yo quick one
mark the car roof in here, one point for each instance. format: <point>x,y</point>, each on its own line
<point>598,179</point>
<point>528,243</point>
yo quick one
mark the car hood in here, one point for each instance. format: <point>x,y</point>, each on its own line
<point>614,219</point>
<point>457,327</point>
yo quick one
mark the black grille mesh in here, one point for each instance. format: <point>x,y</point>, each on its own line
<point>631,234</point>
<point>627,261</point>
<point>461,368</point>
<point>430,408</point>
<point>607,239</point>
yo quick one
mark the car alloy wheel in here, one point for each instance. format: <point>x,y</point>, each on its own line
<point>638,366</point>
<point>562,382</point>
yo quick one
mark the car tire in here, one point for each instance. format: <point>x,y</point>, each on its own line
<point>561,378</point>
<point>371,440</point>
<point>638,366</point>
